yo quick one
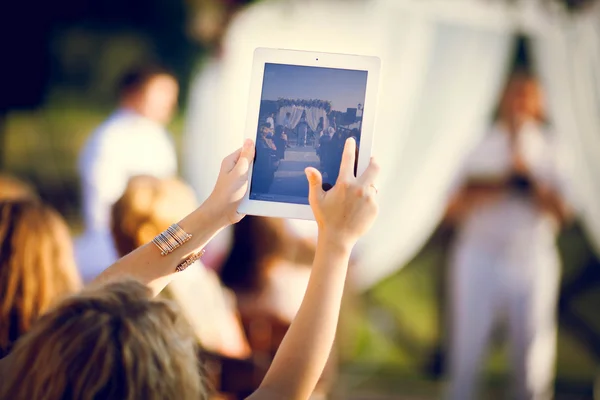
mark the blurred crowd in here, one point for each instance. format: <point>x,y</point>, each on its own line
<point>507,208</point>
<point>239,311</point>
<point>273,141</point>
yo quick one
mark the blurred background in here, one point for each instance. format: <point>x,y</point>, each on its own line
<point>445,67</point>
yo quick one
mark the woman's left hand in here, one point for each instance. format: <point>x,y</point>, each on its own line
<point>231,185</point>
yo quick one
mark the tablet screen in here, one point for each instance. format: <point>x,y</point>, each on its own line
<point>306,114</point>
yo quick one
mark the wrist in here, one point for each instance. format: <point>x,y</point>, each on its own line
<point>202,222</point>
<point>213,211</point>
<point>335,243</point>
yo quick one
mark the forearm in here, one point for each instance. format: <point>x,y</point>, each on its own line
<point>146,264</point>
<point>305,349</point>
<point>550,201</point>
<point>470,196</point>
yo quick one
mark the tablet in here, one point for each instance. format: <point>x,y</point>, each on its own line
<point>302,108</point>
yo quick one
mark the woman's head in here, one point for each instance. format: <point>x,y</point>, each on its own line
<point>111,342</point>
<point>14,189</point>
<point>257,244</point>
<point>150,90</point>
<point>522,98</point>
<point>36,265</point>
<point>147,207</point>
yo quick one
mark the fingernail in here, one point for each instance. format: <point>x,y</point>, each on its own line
<point>248,143</point>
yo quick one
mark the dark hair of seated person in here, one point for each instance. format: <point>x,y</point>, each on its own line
<point>257,242</point>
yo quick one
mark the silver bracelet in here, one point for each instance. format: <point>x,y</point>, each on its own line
<point>189,261</point>
<point>171,239</point>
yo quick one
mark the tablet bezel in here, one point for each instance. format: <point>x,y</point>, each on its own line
<point>263,56</point>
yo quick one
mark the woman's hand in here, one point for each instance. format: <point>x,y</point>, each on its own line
<point>231,185</point>
<point>347,211</point>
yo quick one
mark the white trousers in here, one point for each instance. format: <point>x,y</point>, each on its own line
<point>519,285</point>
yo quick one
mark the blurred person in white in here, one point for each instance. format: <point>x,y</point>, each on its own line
<point>148,207</point>
<point>505,261</point>
<point>132,141</point>
<point>271,121</point>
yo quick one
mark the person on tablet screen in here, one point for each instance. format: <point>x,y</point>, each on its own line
<point>334,157</point>
<point>324,149</point>
<point>505,259</point>
<point>266,162</point>
<point>271,121</point>
<point>302,129</point>
<point>287,121</point>
<point>280,140</point>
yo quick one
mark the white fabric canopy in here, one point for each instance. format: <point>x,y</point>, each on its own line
<point>313,114</point>
<point>442,71</point>
<point>433,109</point>
<point>568,61</point>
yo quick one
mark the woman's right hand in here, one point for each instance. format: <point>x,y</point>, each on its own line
<point>347,211</point>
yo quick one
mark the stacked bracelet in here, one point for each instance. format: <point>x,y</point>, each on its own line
<point>189,261</point>
<point>171,239</point>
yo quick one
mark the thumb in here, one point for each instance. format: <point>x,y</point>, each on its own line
<point>246,157</point>
<point>315,182</point>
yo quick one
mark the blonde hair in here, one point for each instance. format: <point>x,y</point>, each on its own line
<point>111,342</point>
<point>14,189</point>
<point>147,207</point>
<point>37,266</point>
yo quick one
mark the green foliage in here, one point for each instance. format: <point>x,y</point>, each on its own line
<point>324,104</point>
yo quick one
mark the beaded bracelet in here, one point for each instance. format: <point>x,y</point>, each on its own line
<point>171,239</point>
<point>189,261</point>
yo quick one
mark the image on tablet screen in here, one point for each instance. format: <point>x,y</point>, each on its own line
<point>306,115</point>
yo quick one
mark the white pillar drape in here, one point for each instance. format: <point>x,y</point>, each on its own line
<point>295,115</point>
<point>446,78</point>
<point>567,57</point>
<point>313,114</point>
<point>442,71</point>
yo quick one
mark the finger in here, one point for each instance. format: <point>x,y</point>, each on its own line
<point>245,158</point>
<point>348,158</point>
<point>369,177</point>
<point>315,182</point>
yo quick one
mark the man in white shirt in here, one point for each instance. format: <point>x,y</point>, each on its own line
<point>504,261</point>
<point>132,141</point>
<point>271,122</point>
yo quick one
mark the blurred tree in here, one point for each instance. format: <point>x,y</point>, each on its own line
<point>97,39</point>
<point>210,19</point>
<point>24,68</point>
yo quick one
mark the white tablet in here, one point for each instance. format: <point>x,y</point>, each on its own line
<point>302,108</point>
